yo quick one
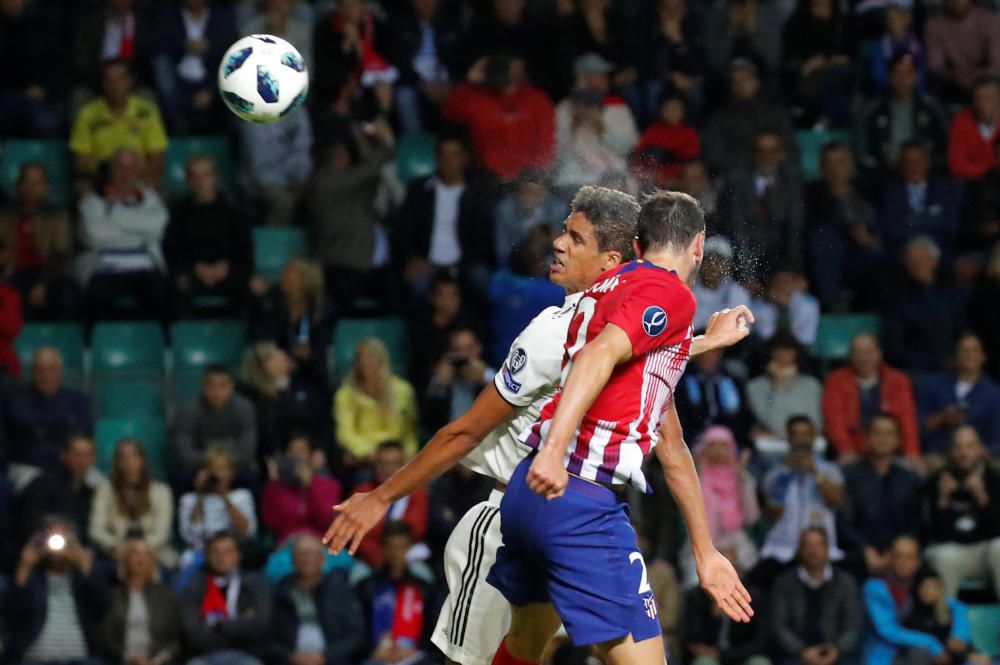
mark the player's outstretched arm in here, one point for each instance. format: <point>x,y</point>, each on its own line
<point>725,328</point>
<point>356,516</point>
<point>716,573</point>
<point>591,370</point>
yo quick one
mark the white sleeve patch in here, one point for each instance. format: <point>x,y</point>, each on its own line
<point>534,362</point>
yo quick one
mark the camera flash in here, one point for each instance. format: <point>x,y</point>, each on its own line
<point>56,542</point>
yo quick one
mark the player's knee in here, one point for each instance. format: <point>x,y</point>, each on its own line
<point>531,629</point>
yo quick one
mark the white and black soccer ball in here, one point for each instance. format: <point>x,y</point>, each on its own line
<point>263,78</point>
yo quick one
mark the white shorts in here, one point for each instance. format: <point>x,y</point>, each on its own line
<point>475,617</point>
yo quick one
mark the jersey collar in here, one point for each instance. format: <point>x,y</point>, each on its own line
<point>571,301</point>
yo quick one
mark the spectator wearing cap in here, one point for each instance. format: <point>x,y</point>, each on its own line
<point>975,130</point>
<point>716,289</point>
<point>782,391</point>
<point>730,137</point>
<point>924,317</point>
<point>842,244</point>
<point>855,394</point>
<point>965,394</point>
<point>786,306</point>
<point>919,202</point>
<point>963,44</point>
<point>898,115</point>
<point>531,205</point>
<point>593,86</point>
<point>898,41</point>
<point>666,145</point>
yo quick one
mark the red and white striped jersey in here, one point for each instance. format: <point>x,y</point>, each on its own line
<point>655,309</point>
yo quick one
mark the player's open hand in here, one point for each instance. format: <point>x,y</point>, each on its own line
<point>728,326</point>
<point>355,517</point>
<point>719,579</point>
<point>547,476</point>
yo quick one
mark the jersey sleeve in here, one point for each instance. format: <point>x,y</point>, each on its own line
<point>534,362</point>
<point>654,314</point>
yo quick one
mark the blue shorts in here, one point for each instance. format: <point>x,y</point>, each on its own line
<point>578,552</point>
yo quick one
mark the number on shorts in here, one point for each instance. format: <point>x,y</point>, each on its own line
<point>644,582</point>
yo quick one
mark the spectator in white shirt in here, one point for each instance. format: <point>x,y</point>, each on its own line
<point>786,306</point>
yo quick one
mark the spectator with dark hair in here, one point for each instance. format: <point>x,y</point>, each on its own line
<point>749,29</point>
<point>446,219</point>
<point>38,239</point>
<point>816,609</point>
<point>975,130</point>
<point>532,204</point>
<point>396,602</point>
<point>963,501</point>
<point>854,394</point>
<point>962,46</point>
<point>458,378</point>
<point>122,225</point>
<point>693,180</point>
<point>761,210</point>
<point>316,618</point>
<point>918,202</point>
<point>899,39</point>
<point>107,31</point>
<point>943,616</point>
<point>783,390</point>
<point>218,418</point>
<point>673,53</point>
<point>980,310</point>
<point>901,115</point>
<point>39,417</point>
<point>142,624</point>
<point>299,494</point>
<point>512,124</point>
<point>411,510</point>
<point>842,240</point>
<point>883,500</point>
<point>923,317</point>
<point>190,39</point>
<point>709,394</point>
<point>964,395</point>
<point>981,228</point>
<point>501,26</point>
<point>225,612</point>
<point>715,288</point>
<point>56,602</point>
<point>132,505</point>
<point>373,405</point>
<point>786,306</point>
<point>207,246</point>
<point>29,93</point>
<point>730,137</point>
<point>430,326</point>
<point>666,144</point>
<point>119,119</point>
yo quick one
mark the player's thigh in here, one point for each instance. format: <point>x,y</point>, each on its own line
<point>531,629</point>
<point>627,651</point>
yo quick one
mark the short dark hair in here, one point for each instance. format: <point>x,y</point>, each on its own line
<point>914,144</point>
<point>443,276</point>
<point>22,171</point>
<point>798,420</point>
<point>987,79</point>
<point>833,146</point>
<point>213,369</point>
<point>222,534</point>
<point>391,444</point>
<point>613,215</point>
<point>818,530</point>
<point>396,528</point>
<point>784,340</point>
<point>116,62</point>
<point>669,220</point>
<point>891,417</point>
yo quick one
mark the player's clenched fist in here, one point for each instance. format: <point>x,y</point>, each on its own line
<point>547,476</point>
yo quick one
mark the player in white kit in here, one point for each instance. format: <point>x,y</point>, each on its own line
<point>475,616</point>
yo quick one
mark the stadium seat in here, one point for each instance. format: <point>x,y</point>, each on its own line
<point>810,143</point>
<point>67,337</point>
<point>122,348</point>
<point>53,154</point>
<point>273,247</point>
<point>150,432</point>
<point>836,331</point>
<point>984,624</point>
<point>200,343</point>
<point>414,156</point>
<point>127,398</point>
<point>180,150</point>
<point>186,385</point>
<point>351,331</point>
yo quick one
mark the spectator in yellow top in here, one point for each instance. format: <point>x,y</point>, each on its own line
<point>118,119</point>
<point>373,405</point>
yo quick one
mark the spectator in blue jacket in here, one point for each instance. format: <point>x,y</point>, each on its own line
<point>965,395</point>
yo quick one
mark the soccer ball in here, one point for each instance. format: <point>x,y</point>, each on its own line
<point>263,78</point>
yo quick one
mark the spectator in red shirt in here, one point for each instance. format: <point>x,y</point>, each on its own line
<point>298,495</point>
<point>975,132</point>
<point>666,145</point>
<point>855,394</point>
<point>11,322</point>
<point>412,509</point>
<point>511,122</point>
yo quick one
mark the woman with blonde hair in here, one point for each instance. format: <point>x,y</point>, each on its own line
<point>374,405</point>
<point>132,505</point>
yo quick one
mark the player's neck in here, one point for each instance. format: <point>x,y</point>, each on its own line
<point>669,261</point>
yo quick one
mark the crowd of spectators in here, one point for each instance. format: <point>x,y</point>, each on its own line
<point>860,500</point>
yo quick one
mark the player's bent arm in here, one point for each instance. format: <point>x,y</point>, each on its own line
<point>725,328</point>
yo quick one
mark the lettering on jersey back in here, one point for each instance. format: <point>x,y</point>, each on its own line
<point>610,284</point>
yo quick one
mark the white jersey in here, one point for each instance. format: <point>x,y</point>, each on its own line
<point>528,379</point>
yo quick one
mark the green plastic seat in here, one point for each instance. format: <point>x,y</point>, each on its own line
<point>274,247</point>
<point>67,337</point>
<point>128,398</point>
<point>833,338</point>
<point>414,156</point>
<point>133,347</point>
<point>53,154</point>
<point>984,624</point>
<point>810,143</point>
<point>150,432</point>
<point>200,343</point>
<point>179,151</point>
<point>351,331</point>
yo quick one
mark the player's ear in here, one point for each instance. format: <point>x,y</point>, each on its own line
<point>698,247</point>
<point>612,259</point>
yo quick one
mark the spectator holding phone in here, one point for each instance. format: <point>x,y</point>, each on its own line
<point>458,378</point>
<point>299,494</point>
